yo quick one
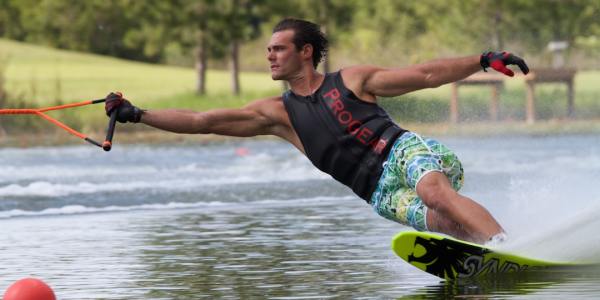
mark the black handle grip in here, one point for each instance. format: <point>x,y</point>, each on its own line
<point>107,145</point>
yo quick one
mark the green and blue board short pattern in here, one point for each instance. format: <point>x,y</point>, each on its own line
<point>411,157</point>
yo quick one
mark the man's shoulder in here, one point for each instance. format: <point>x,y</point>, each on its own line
<point>271,109</point>
<point>354,78</point>
<point>358,74</point>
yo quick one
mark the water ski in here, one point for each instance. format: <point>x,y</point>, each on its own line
<point>449,258</point>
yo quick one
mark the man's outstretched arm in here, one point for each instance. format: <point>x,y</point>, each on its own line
<point>371,81</point>
<point>250,120</point>
<point>241,122</point>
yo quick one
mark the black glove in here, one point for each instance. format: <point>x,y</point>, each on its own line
<point>499,60</point>
<point>126,112</point>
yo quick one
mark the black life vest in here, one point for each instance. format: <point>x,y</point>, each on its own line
<point>342,135</point>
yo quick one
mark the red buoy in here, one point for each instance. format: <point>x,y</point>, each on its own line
<point>242,151</point>
<point>29,289</point>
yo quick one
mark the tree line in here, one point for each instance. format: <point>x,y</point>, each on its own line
<point>405,31</point>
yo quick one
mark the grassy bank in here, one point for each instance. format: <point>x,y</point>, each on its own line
<point>42,75</point>
<point>38,76</point>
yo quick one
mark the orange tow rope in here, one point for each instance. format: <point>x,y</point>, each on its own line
<point>106,145</point>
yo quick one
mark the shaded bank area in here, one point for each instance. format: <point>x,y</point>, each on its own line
<point>140,134</point>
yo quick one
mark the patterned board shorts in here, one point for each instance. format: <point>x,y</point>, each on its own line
<point>411,158</point>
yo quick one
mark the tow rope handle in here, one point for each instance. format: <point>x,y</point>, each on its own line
<point>110,130</point>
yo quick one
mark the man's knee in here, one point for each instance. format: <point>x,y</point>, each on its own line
<point>435,190</point>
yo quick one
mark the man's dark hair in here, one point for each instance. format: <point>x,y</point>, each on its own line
<point>306,32</point>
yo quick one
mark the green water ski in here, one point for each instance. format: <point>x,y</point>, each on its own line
<point>449,258</point>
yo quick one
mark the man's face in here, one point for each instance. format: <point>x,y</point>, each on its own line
<point>283,57</point>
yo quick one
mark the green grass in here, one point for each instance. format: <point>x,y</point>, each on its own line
<point>40,76</point>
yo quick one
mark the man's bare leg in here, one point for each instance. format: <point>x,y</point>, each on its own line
<point>439,223</point>
<point>466,219</point>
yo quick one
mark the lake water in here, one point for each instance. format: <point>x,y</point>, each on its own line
<point>254,219</point>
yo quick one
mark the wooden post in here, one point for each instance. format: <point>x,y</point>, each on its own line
<point>570,99</point>
<point>545,75</point>
<point>494,104</point>
<point>454,103</point>
<point>494,81</point>
<point>530,107</point>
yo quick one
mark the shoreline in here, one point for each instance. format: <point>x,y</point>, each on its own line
<point>150,137</point>
<point>157,137</point>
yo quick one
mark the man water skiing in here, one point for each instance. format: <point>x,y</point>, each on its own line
<point>335,121</point>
